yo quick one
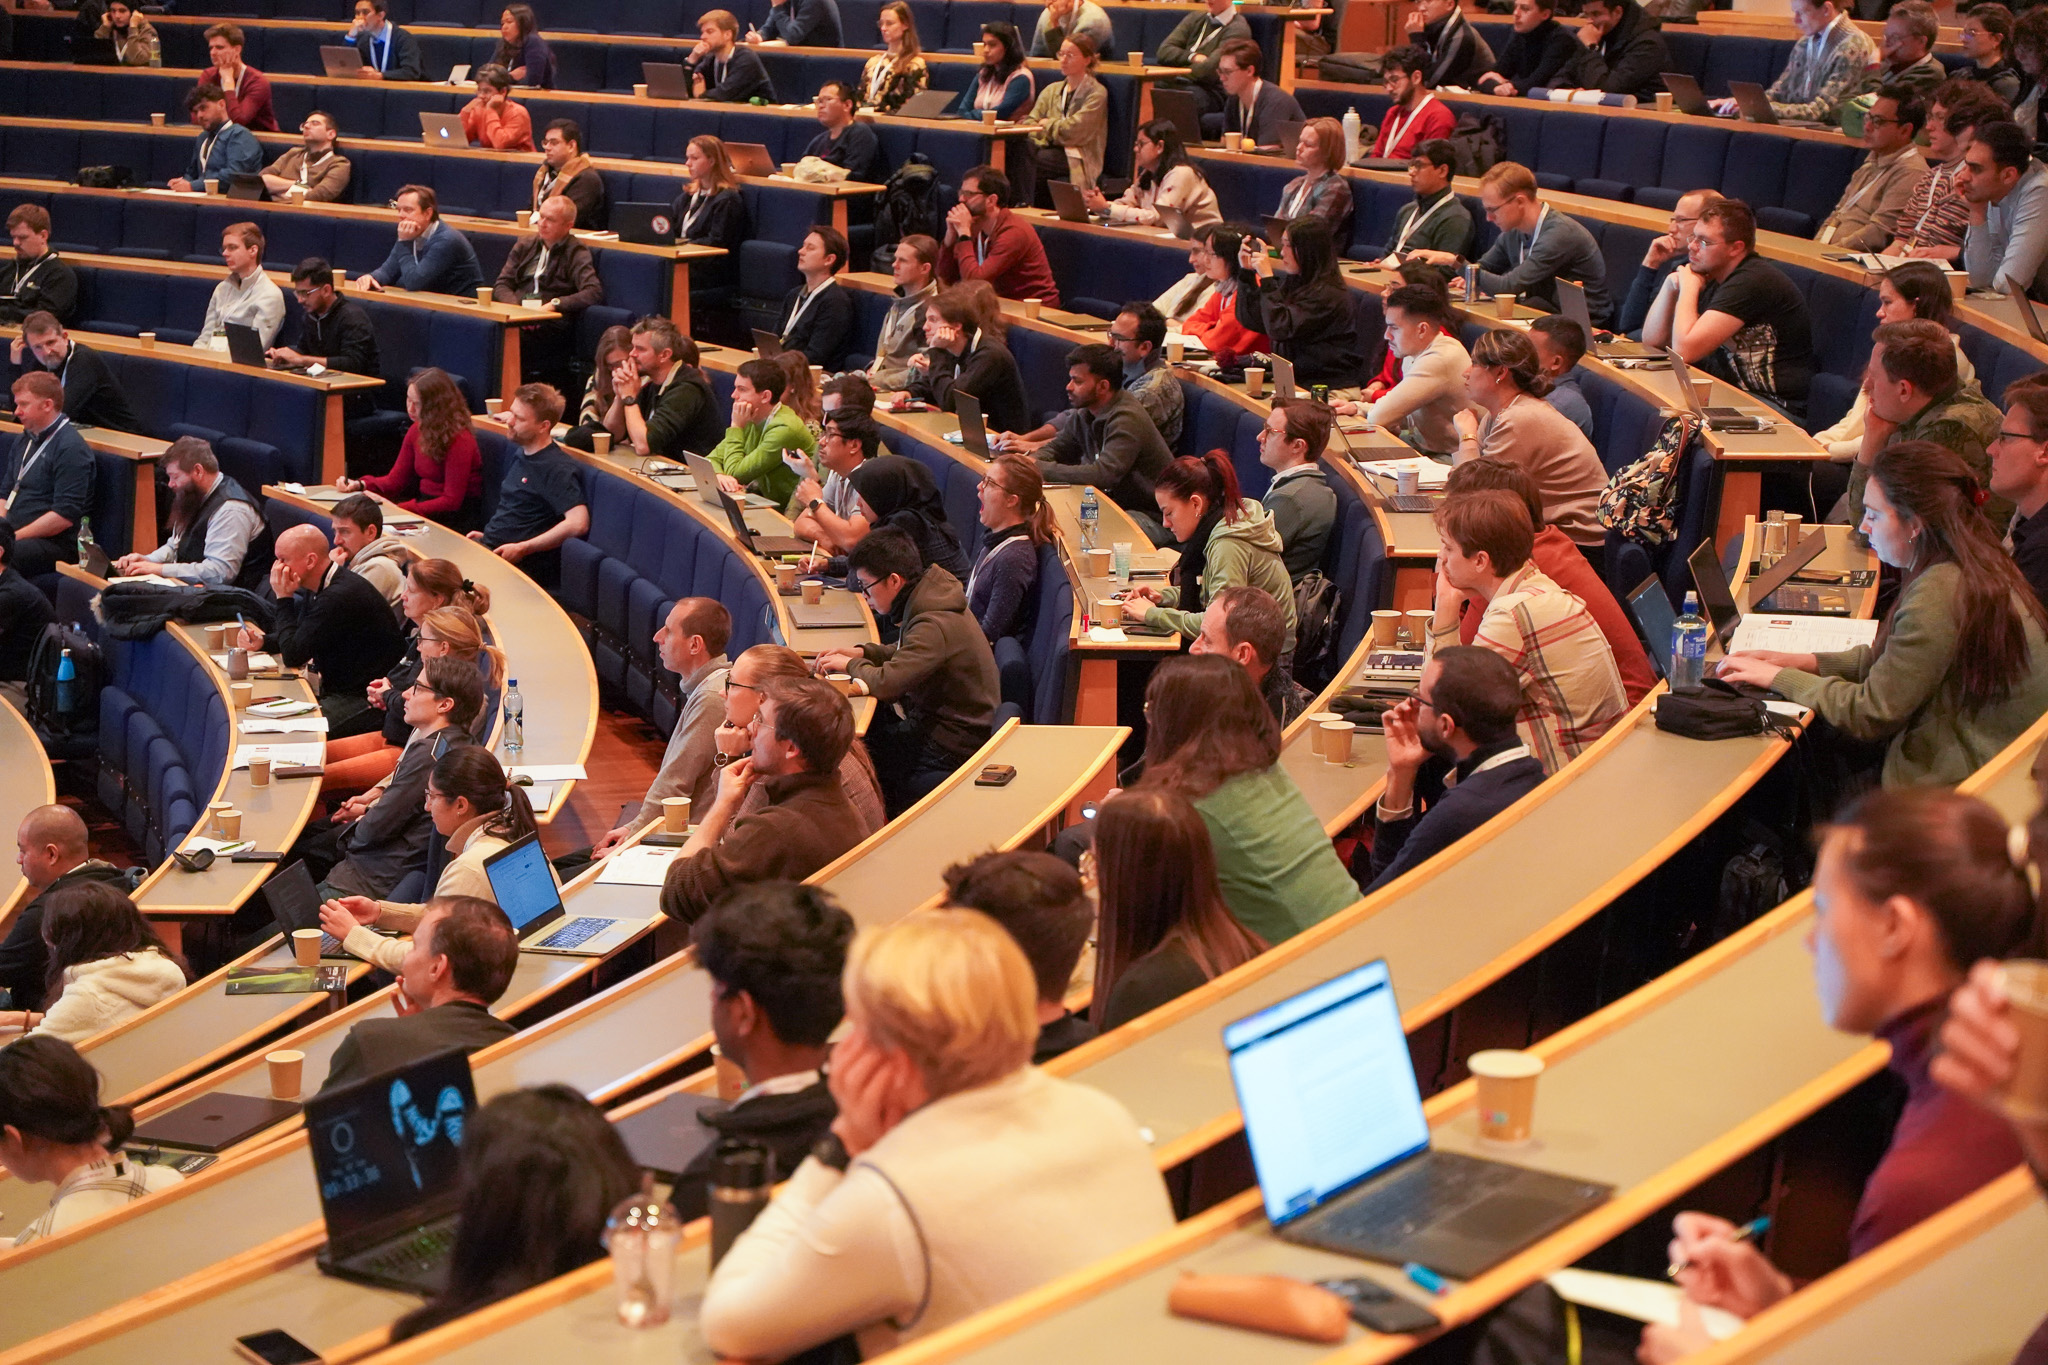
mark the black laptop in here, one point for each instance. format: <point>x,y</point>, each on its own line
<point>248,185</point>
<point>245,346</point>
<point>665,1138</point>
<point>1182,110</point>
<point>386,1153</point>
<point>768,547</point>
<point>295,904</point>
<point>212,1123</point>
<point>644,224</point>
<point>1342,1147</point>
<point>1649,606</point>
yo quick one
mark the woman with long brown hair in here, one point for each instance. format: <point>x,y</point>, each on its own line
<point>1959,668</point>
<point>1212,739</point>
<point>439,472</point>
<point>892,76</point>
<point>1164,926</point>
<point>55,1131</point>
<point>107,965</point>
<point>1018,520</point>
<point>521,50</point>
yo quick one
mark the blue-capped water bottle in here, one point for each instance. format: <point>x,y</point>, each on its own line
<point>1688,646</point>
<point>515,717</point>
<point>67,683</point>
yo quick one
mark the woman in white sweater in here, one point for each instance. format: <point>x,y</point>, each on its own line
<point>107,965</point>
<point>54,1131</point>
<point>1165,179</point>
<point>956,1176</point>
<point>1919,290</point>
<point>478,813</point>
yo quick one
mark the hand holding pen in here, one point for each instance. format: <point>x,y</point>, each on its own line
<point>1719,1265</point>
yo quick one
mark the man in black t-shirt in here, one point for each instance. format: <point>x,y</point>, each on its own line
<point>540,504</point>
<point>1735,314</point>
<point>92,396</point>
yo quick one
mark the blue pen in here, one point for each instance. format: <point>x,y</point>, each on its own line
<point>1755,1227</point>
<point>1428,1279</point>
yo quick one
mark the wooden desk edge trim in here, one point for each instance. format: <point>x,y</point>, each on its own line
<point>882,837</point>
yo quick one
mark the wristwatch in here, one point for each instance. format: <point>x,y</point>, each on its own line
<point>631,400</point>
<point>815,504</point>
<point>830,1151</point>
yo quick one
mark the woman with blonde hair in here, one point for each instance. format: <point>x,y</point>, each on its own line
<point>948,1141</point>
<point>800,391</point>
<point>895,74</point>
<point>709,211</point>
<point>1018,520</point>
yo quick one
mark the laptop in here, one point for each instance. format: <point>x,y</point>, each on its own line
<point>248,185</point>
<point>750,158</point>
<point>705,474</point>
<point>1715,418</point>
<point>1571,303</point>
<point>245,347</point>
<point>1174,221</point>
<point>1342,1149</point>
<point>1649,606</point>
<point>1686,95</point>
<point>295,904</point>
<point>2017,292</point>
<point>443,130</point>
<point>1789,632</point>
<point>212,1123</point>
<point>94,52</point>
<point>929,104</point>
<point>458,73</point>
<point>1756,107</point>
<point>1290,136</point>
<point>973,431</point>
<point>1283,379</point>
<point>341,60</point>
<point>523,883</point>
<point>1068,203</point>
<point>767,547</point>
<point>1182,110</point>
<point>767,345</point>
<point>666,80</point>
<point>645,224</point>
<point>386,1151</point>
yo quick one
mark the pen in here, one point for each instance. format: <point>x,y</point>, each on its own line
<point>1755,1227</point>
<point>1426,1278</point>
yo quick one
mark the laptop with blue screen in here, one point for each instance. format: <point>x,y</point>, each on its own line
<point>524,884</point>
<point>1342,1148</point>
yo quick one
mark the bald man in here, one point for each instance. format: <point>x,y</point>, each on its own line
<point>334,619</point>
<point>52,850</point>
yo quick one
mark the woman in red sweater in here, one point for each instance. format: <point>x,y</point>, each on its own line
<point>439,472</point>
<point>1215,323</point>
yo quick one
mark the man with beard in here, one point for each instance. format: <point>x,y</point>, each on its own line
<point>218,536</point>
<point>1461,719</point>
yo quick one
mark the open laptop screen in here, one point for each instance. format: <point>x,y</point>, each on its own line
<point>523,883</point>
<point>384,1147</point>
<point>1327,1089</point>
<point>1655,620</point>
<point>1715,593</point>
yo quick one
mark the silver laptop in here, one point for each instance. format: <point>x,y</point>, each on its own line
<point>523,883</point>
<point>458,73</point>
<point>929,104</point>
<point>1571,303</point>
<point>1174,221</point>
<point>1756,107</point>
<point>706,475</point>
<point>1342,1147</point>
<point>2017,292</point>
<point>1686,95</point>
<point>666,80</point>
<point>1068,203</point>
<point>1715,418</point>
<point>341,60</point>
<point>443,130</point>
<point>1283,379</point>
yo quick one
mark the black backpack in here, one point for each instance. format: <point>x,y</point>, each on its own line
<point>67,722</point>
<point>911,205</point>
<point>1480,141</point>
<point>1318,611</point>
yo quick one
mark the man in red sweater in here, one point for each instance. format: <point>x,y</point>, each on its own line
<point>1416,116</point>
<point>985,241</point>
<point>1560,561</point>
<point>247,89</point>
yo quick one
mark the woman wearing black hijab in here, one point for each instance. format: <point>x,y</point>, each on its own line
<point>896,490</point>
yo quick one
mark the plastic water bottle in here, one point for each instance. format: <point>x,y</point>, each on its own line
<point>67,683</point>
<point>86,544</point>
<point>515,718</point>
<point>641,1236</point>
<point>1091,514</point>
<point>1353,134</point>
<point>1688,646</point>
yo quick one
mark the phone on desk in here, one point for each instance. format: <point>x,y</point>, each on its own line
<point>1375,1306</point>
<point>275,1348</point>
<point>995,775</point>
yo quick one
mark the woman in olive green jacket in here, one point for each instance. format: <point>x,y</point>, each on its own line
<point>1225,541</point>
<point>1959,669</point>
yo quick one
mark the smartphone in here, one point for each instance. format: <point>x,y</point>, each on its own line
<point>995,775</point>
<point>255,855</point>
<point>1375,1306</point>
<point>275,1348</point>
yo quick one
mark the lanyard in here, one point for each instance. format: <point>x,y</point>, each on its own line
<point>306,164</point>
<point>1934,192</point>
<point>1300,197</point>
<point>1418,219</point>
<point>21,275</point>
<point>206,149</point>
<point>1210,29</point>
<point>540,265</point>
<point>1394,130</point>
<point>1542,217</point>
<point>37,446</point>
<point>698,203</point>
<point>801,304</point>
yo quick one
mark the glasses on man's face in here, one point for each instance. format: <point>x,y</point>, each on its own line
<point>1701,239</point>
<point>2005,435</point>
<point>1122,339</point>
<point>865,587</point>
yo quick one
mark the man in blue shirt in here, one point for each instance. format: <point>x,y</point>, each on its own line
<point>799,23</point>
<point>428,255</point>
<point>46,480</point>
<point>1560,346</point>
<point>846,141</point>
<point>540,503</point>
<point>389,52</point>
<point>224,149</point>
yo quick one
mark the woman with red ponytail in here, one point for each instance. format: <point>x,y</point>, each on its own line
<point>1225,540</point>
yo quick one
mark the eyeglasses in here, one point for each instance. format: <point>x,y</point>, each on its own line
<point>1118,336</point>
<point>1880,118</point>
<point>866,589</point>
<point>2005,435</point>
<point>731,682</point>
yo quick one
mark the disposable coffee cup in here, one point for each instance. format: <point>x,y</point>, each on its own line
<point>1099,561</point>
<point>1137,59</point>
<point>601,442</point>
<point>1418,625</point>
<point>148,340</point>
<point>1507,1092</point>
<point>1175,352</point>
<point>156,120</point>
<point>306,946</point>
<point>1703,390</point>
<point>2026,986</point>
<point>675,814</point>
<point>1663,101</point>
<point>1386,628</point>
<point>813,590</point>
<point>1958,284</point>
<point>287,1070</point>
<point>494,406</point>
<point>1504,305</point>
<point>1337,740</point>
<point>242,694</point>
<point>230,823</point>
<point>789,169</point>
<point>988,118</point>
<point>212,185</point>
<point>1033,307</point>
<point>842,683</point>
<point>484,294</point>
<point>220,636</point>
<point>259,772</point>
<point>1795,523</point>
<point>1407,481</point>
<point>1233,142</point>
<point>1109,612</point>
<point>296,194</point>
<point>639,91</point>
<point>526,217</point>
<point>1254,380</point>
<point>785,577</point>
<point>214,810</point>
<point>1316,721</point>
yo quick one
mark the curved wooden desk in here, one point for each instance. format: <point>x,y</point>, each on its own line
<point>26,781</point>
<point>141,452</point>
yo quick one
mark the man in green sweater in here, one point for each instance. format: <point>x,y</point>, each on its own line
<point>763,430</point>
<point>1915,395</point>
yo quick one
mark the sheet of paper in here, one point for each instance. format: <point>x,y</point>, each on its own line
<point>312,754</point>
<point>1107,635</point>
<point>304,725</point>
<point>221,847</point>
<point>550,772</point>
<point>1643,1300</point>
<point>258,662</point>
<point>1428,473</point>
<point>541,796</point>
<point>283,706</point>
<point>1801,634</point>
<point>638,866</point>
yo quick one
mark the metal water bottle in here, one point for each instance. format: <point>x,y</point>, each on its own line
<point>742,1179</point>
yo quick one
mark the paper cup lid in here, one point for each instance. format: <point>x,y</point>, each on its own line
<point>1504,1064</point>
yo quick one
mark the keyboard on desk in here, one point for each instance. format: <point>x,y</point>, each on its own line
<point>576,933</point>
<point>1424,1193</point>
<point>420,1256</point>
<point>1414,502</point>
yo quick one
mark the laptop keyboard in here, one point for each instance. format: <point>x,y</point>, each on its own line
<point>576,933</point>
<point>1425,1193</point>
<point>423,1251</point>
<point>1414,502</point>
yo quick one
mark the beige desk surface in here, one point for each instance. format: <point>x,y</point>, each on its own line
<point>616,1038</point>
<point>26,781</point>
<point>127,444</point>
<point>334,381</point>
<point>542,647</point>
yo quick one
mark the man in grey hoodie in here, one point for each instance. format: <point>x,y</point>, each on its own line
<point>360,544</point>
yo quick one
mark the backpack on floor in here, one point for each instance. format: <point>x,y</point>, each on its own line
<point>1318,612</point>
<point>66,717</point>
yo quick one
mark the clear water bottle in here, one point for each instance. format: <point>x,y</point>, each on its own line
<point>515,718</point>
<point>67,684</point>
<point>86,544</point>
<point>1091,515</point>
<point>641,1237</point>
<point>1688,646</point>
<point>1354,132</point>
